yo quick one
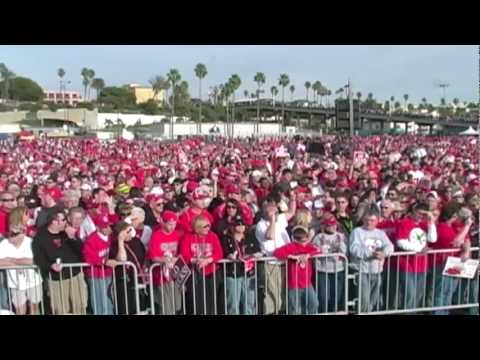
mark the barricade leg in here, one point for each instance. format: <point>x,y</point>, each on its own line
<point>171,303</point>
<point>407,289</point>
<point>294,302</point>
<point>323,292</point>
<point>4,303</point>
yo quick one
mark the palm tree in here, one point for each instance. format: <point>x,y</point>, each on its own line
<point>200,73</point>
<point>245,93</point>
<point>455,101</point>
<point>316,87</point>
<point>6,75</point>
<point>283,82</point>
<point>274,92</point>
<point>158,84</point>
<point>424,101</point>
<point>397,105</point>
<point>359,96</point>
<point>405,97</point>
<point>259,78</point>
<point>98,84</point>
<point>61,74</point>
<point>442,101</point>
<point>392,99</point>
<point>91,76</point>
<point>85,73</point>
<point>292,90</point>
<point>308,85</point>
<point>235,82</point>
<point>173,77</point>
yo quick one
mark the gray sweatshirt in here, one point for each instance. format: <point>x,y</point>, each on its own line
<point>363,243</point>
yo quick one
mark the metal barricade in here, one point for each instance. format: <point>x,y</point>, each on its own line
<point>21,290</point>
<point>81,288</point>
<point>263,287</point>
<point>410,282</point>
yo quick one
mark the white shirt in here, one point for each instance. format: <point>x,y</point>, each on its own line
<point>280,239</point>
<point>20,279</point>
<point>87,227</point>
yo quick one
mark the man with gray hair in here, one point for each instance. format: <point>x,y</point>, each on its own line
<point>70,199</point>
<point>137,219</point>
<point>369,246</point>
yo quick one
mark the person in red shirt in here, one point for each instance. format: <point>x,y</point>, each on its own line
<point>302,299</point>
<point>413,234</point>
<point>163,249</point>
<point>96,253</point>
<point>7,203</point>
<point>198,205</point>
<point>448,238</point>
<point>201,250</point>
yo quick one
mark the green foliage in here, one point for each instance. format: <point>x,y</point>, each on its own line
<point>33,107</point>
<point>117,98</point>
<point>86,105</point>
<point>149,107</point>
<point>24,89</point>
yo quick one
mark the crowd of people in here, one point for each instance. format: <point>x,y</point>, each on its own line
<point>255,219</point>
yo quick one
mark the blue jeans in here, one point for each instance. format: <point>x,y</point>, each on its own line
<point>100,296</point>
<point>240,295</point>
<point>467,293</point>
<point>302,301</point>
<point>331,291</point>
<point>445,287</point>
<point>412,290</point>
<point>4,303</point>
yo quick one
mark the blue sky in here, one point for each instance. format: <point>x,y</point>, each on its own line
<point>383,70</point>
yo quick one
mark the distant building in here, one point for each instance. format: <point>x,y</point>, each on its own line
<point>71,98</point>
<point>145,93</point>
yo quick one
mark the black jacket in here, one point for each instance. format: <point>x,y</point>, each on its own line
<point>137,247</point>
<point>249,246</point>
<point>48,247</point>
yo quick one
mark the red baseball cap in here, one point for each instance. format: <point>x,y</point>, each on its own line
<point>233,189</point>
<point>329,221</point>
<point>102,221</point>
<point>192,186</point>
<point>169,216</point>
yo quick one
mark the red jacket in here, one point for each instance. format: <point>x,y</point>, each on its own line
<point>193,246</point>
<point>160,245</point>
<point>95,252</point>
<point>299,277</point>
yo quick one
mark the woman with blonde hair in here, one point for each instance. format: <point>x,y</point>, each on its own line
<point>21,216</point>
<point>303,217</point>
<point>16,250</point>
<point>201,250</point>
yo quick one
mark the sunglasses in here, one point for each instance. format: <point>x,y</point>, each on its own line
<point>231,207</point>
<point>300,238</point>
<point>8,200</point>
<point>207,226</point>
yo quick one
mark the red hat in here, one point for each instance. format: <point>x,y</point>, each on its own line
<point>153,197</point>
<point>302,190</point>
<point>102,221</point>
<point>475,182</point>
<point>169,216</point>
<point>329,221</point>
<point>192,186</point>
<point>233,189</point>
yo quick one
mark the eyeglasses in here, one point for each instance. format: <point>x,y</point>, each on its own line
<point>341,202</point>
<point>231,207</point>
<point>62,219</point>
<point>299,238</point>
<point>159,204</point>
<point>206,226</point>
<point>8,200</point>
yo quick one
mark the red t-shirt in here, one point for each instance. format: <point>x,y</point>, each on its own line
<point>299,277</point>
<point>163,244</point>
<point>408,229</point>
<point>95,252</point>
<point>3,222</point>
<point>389,226</point>
<point>185,220</point>
<point>193,246</point>
<point>446,233</point>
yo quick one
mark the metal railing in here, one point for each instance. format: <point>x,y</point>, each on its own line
<point>266,287</point>
<point>412,282</point>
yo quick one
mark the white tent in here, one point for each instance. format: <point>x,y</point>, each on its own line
<point>469,131</point>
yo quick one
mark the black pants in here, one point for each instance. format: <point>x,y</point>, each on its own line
<point>201,294</point>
